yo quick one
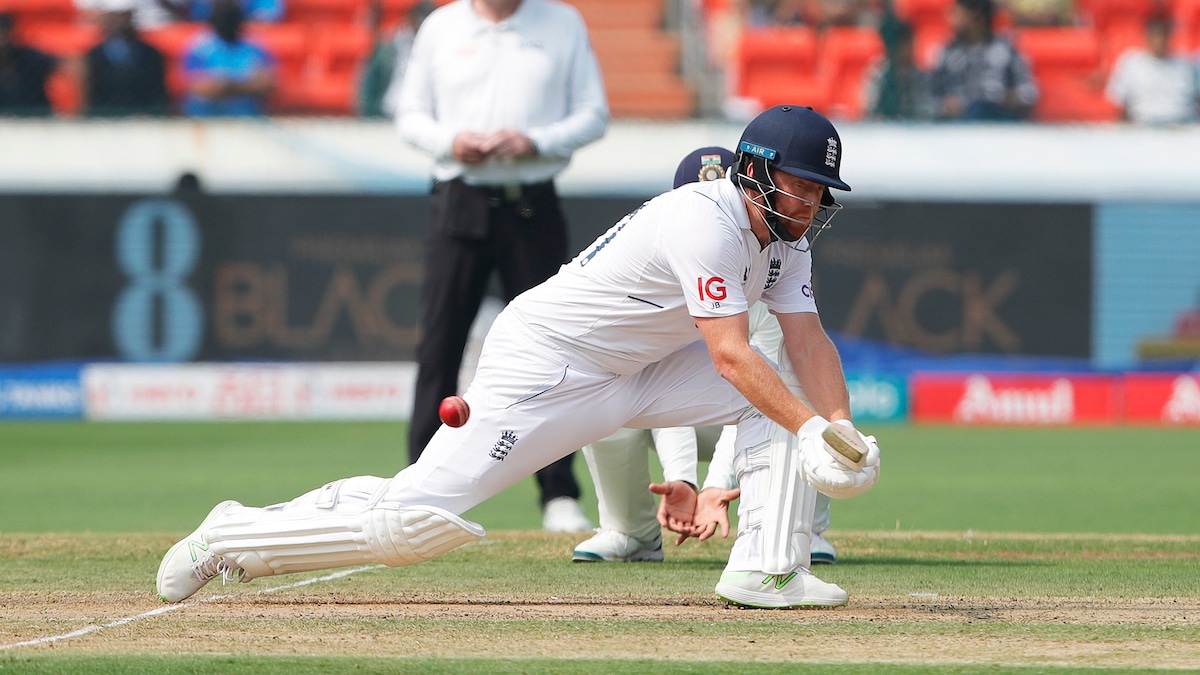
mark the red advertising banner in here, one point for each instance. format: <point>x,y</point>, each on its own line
<point>1002,399</point>
<point>1162,398</point>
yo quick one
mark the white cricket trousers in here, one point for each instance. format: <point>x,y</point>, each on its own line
<point>533,401</point>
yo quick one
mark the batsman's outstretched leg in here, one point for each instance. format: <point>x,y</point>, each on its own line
<point>346,522</point>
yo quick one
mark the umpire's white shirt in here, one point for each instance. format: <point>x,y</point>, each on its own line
<point>534,72</point>
<point>629,299</point>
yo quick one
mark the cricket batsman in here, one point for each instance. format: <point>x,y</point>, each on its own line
<point>619,465</point>
<point>646,328</point>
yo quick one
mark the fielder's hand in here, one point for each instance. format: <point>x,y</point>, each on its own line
<point>712,512</point>
<point>819,467</point>
<point>677,508</point>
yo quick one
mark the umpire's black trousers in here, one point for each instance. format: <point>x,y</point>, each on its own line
<point>518,231</point>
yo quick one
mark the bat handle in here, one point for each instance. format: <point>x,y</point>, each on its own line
<point>845,445</point>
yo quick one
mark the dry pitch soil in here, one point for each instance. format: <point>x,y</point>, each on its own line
<point>300,622</point>
<point>343,619</point>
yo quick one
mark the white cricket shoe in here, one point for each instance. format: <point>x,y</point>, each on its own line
<point>613,546</point>
<point>775,591</point>
<point>823,552</point>
<point>562,514</point>
<point>188,565</point>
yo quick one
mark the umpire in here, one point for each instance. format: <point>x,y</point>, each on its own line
<point>500,93</point>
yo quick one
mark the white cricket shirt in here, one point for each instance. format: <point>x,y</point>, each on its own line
<point>534,72</point>
<point>629,298</point>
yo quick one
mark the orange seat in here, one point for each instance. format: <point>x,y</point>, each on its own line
<point>42,11</point>
<point>925,13</point>
<point>62,40</point>
<point>329,96</point>
<point>324,12</point>
<point>1186,16</point>
<point>65,92</point>
<point>1117,41</point>
<point>1059,47</point>
<point>773,55</point>
<point>174,39</point>
<point>847,55</point>
<point>340,50</point>
<point>1066,63</point>
<point>1104,14</point>
<point>288,44</point>
<point>1070,97</point>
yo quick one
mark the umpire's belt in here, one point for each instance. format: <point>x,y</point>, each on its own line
<point>516,193</point>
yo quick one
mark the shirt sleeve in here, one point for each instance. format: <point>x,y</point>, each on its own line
<point>704,251</point>
<point>415,112</point>
<point>794,290</point>
<point>588,116</point>
<point>676,449</point>
<point>720,469</point>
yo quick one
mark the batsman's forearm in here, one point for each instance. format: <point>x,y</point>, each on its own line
<point>818,367</point>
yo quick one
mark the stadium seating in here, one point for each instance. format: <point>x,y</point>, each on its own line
<point>1066,63</point>
<point>290,44</point>
<point>322,45</point>
<point>848,53</point>
<point>779,65</point>
<point>1186,16</point>
<point>41,11</point>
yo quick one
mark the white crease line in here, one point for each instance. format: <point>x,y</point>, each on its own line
<point>171,608</point>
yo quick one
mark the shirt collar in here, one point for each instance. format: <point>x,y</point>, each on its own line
<point>513,22</point>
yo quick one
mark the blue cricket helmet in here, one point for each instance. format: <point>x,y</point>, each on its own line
<point>796,140</point>
<point>704,164</point>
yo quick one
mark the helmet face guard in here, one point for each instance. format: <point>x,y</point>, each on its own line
<point>800,142</point>
<point>822,214</point>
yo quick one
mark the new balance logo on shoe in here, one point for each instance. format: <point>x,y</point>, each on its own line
<point>196,547</point>
<point>780,582</point>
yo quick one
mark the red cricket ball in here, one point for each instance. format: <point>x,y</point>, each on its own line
<point>454,411</point>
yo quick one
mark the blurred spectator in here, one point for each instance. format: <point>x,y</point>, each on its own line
<point>896,88</point>
<point>123,75</point>
<point>1151,85</point>
<point>381,80</point>
<point>226,74</point>
<point>762,13</point>
<point>980,75</point>
<point>1041,12</point>
<point>23,75</point>
<point>263,11</point>
<point>827,13</point>
<point>147,14</point>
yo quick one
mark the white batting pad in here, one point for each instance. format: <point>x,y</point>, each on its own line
<point>330,528</point>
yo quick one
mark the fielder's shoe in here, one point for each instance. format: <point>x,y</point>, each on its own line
<point>775,591</point>
<point>188,565</point>
<point>562,514</point>
<point>613,546</point>
<point>823,552</point>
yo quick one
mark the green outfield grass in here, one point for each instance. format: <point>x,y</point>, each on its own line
<point>980,551</point>
<point>80,477</point>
